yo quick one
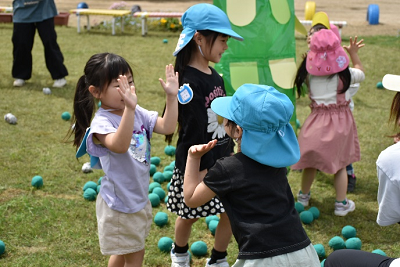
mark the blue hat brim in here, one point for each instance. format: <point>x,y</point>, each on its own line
<point>221,105</point>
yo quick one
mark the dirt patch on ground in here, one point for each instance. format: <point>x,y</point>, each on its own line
<point>354,12</point>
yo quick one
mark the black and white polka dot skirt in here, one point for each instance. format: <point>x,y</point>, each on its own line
<point>176,203</point>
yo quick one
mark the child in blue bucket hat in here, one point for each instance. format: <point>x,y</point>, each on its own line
<point>204,39</point>
<point>252,184</point>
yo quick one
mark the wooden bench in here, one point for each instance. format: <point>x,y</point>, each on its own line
<point>103,12</point>
<point>145,15</point>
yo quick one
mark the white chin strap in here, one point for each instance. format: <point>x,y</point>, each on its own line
<point>201,52</point>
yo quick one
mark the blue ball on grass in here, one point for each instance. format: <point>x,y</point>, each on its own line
<point>167,175</point>
<point>160,192</point>
<point>165,244</point>
<point>306,217</point>
<point>349,231</point>
<point>90,194</point>
<point>155,160</point>
<point>379,251</point>
<point>90,184</point>
<point>66,116</point>
<point>336,243</point>
<point>2,247</point>
<point>211,218</point>
<point>153,185</point>
<point>212,226</point>
<point>158,177</point>
<point>154,199</point>
<point>320,249</point>
<point>161,218</point>
<point>299,207</point>
<point>353,243</point>
<point>37,181</point>
<point>170,150</point>
<point>315,212</point>
<point>153,169</point>
<point>199,248</point>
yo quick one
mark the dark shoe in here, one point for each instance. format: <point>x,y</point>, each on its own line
<point>351,185</point>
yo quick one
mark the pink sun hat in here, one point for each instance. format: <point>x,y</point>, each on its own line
<point>326,55</point>
<point>336,31</point>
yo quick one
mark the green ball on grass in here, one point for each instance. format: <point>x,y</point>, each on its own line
<point>349,231</point>
<point>99,181</point>
<point>158,177</point>
<point>2,247</point>
<point>211,218</point>
<point>212,226</point>
<point>66,116</point>
<point>336,243</point>
<point>90,194</point>
<point>161,218</point>
<point>160,192</point>
<point>37,181</point>
<point>167,175</point>
<point>299,207</point>
<point>169,168</point>
<point>170,150</point>
<point>165,244</point>
<point>315,212</point>
<point>380,252</point>
<point>154,199</point>
<point>353,243</point>
<point>306,217</point>
<point>319,248</point>
<point>153,169</point>
<point>153,185</point>
<point>155,160</point>
<point>90,184</point>
<point>199,248</point>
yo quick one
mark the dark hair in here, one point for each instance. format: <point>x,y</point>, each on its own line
<point>182,60</point>
<point>100,70</point>
<point>395,112</point>
<point>317,27</point>
<point>302,75</point>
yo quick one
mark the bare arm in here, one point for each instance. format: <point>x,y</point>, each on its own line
<point>120,141</point>
<point>352,49</point>
<point>195,191</point>
<point>167,123</point>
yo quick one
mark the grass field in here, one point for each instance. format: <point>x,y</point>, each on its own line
<point>55,226</point>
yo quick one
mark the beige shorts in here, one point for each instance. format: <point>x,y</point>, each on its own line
<point>122,233</point>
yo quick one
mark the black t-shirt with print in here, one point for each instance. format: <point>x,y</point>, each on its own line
<point>260,205</point>
<point>198,123</point>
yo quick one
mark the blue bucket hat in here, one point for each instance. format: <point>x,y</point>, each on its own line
<point>264,115</point>
<point>203,17</point>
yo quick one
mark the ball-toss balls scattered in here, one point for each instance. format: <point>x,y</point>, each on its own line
<point>66,116</point>
<point>153,169</point>
<point>319,248</point>
<point>155,160</point>
<point>199,248</point>
<point>158,177</point>
<point>90,184</point>
<point>336,243</point>
<point>380,252</point>
<point>168,175</point>
<point>379,85</point>
<point>299,207</point>
<point>211,218</point>
<point>315,212</point>
<point>349,231</point>
<point>165,41</point>
<point>169,168</point>
<point>90,194</point>
<point>161,218</point>
<point>153,185</point>
<point>170,150</point>
<point>212,226</point>
<point>99,181</point>
<point>154,199</point>
<point>2,247</point>
<point>165,244</point>
<point>37,181</point>
<point>306,217</point>
<point>353,243</point>
<point>160,192</point>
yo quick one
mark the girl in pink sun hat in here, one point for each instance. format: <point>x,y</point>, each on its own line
<point>328,138</point>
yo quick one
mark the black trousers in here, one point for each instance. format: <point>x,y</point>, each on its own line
<point>356,258</point>
<point>23,38</point>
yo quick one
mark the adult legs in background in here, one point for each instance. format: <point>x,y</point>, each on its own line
<point>53,56</point>
<point>22,39</point>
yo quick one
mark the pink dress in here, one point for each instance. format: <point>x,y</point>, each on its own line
<point>328,138</point>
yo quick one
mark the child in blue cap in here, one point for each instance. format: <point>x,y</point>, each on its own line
<point>206,30</point>
<point>252,184</point>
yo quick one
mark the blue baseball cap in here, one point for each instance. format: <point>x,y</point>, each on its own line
<point>264,115</point>
<point>203,17</point>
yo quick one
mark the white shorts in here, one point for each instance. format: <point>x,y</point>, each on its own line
<point>122,233</point>
<point>303,257</point>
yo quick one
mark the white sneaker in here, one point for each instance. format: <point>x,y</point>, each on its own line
<point>303,198</point>
<point>19,82</point>
<point>220,263</point>
<point>342,209</point>
<point>180,259</point>
<point>60,82</point>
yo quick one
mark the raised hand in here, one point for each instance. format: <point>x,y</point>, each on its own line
<point>354,46</point>
<point>127,92</point>
<point>197,151</point>
<point>171,85</point>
